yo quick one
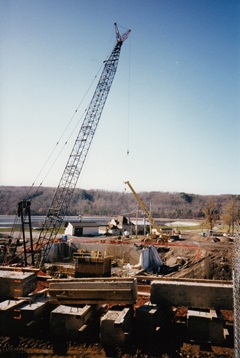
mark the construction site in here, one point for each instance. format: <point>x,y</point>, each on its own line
<point>116,297</point>
<point>165,293</point>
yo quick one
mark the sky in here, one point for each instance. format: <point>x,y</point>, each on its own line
<point>171,122</point>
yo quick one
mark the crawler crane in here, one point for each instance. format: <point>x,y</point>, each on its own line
<point>61,200</point>
<point>150,218</point>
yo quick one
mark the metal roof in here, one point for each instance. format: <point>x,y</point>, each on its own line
<point>82,223</point>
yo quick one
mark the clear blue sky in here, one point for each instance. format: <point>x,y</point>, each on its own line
<point>174,103</point>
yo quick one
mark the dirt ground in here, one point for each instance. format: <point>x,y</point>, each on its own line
<point>29,347</point>
<point>196,257</point>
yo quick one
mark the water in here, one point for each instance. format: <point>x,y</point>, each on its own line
<point>7,221</point>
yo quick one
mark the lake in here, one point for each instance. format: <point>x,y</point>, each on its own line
<point>7,221</point>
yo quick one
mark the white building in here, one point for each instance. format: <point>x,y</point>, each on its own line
<point>81,228</point>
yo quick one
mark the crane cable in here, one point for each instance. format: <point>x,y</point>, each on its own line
<point>59,140</point>
<point>56,145</point>
<point>129,97</point>
<point>67,126</point>
<point>28,192</point>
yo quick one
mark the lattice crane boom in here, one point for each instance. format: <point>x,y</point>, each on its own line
<point>142,205</point>
<point>73,168</point>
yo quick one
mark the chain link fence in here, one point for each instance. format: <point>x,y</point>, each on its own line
<point>236,296</point>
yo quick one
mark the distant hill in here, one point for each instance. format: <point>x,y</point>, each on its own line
<point>109,203</point>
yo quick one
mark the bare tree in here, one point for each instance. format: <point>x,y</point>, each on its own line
<point>211,214</point>
<point>231,213</point>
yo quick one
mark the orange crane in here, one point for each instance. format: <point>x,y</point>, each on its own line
<point>150,218</point>
<point>62,197</point>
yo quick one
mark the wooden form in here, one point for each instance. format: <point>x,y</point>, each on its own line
<point>92,266</point>
<point>94,291</point>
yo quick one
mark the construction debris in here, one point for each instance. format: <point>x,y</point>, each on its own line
<point>149,259</point>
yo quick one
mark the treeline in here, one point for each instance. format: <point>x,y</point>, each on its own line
<point>108,203</point>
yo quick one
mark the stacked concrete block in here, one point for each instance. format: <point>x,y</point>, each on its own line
<point>17,283</point>
<point>10,315</point>
<point>116,327</point>
<point>70,322</point>
<point>33,313</point>
<point>149,318</point>
<point>205,326</point>
<point>20,316</point>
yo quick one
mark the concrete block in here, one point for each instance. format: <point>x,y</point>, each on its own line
<point>149,319</point>
<point>192,293</point>
<point>19,315</point>
<point>34,310</point>
<point>70,322</point>
<point>9,315</point>
<point>94,291</point>
<point>116,327</point>
<point>205,326</point>
<point>16,283</point>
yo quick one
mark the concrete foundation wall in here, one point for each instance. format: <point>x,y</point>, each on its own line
<point>126,252</point>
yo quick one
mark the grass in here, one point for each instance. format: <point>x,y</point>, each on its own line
<point>190,228</point>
